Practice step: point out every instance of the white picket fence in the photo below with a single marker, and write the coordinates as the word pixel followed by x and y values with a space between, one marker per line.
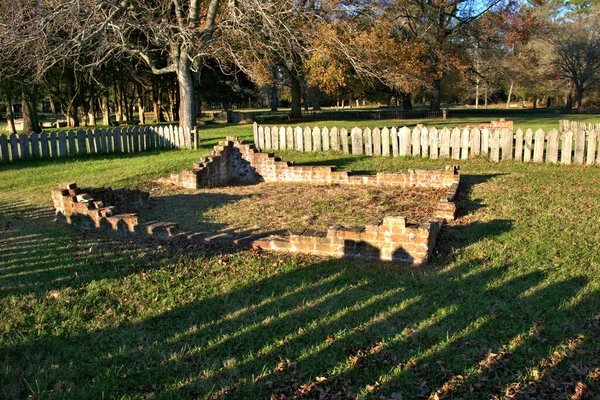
pixel 91 141
pixel 578 147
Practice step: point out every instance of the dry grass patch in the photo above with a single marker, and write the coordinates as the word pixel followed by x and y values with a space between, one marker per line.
pixel 278 206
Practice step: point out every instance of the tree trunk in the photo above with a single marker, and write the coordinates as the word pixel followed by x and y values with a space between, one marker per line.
pixel 296 97
pixel 156 102
pixel 578 97
pixel 9 112
pixel 477 94
pixel 141 109
pixel 437 92
pixel 117 103
pixel 512 85
pixel 486 96
pixel 187 109
pixel 30 118
pixel 274 98
pixel 91 120
pixel 569 101
pixel 305 95
pixel 407 102
pixel 316 103
pixel 106 109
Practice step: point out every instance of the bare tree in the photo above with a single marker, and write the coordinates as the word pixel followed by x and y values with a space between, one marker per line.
pixel 578 54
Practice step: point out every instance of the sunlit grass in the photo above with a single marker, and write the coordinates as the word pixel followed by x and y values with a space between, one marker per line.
pixel 509 303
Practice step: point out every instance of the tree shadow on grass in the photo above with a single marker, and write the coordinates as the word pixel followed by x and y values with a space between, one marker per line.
pixel 250 325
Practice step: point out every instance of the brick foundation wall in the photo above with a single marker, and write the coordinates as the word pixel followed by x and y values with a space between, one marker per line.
pixel 100 207
pixel 502 123
pixel 233 160
pixel 388 240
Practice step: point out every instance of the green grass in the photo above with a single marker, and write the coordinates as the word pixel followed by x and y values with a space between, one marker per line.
pixel 509 304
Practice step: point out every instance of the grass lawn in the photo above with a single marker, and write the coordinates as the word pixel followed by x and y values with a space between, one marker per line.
pixel 509 305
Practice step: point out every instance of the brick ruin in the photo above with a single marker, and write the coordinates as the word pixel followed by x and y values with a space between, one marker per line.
pixel 234 161
pixel 502 123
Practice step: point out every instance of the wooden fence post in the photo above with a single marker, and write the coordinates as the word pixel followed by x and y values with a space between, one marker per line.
pixel 455 137
pixel 335 139
pixel 344 140
pixel 552 150
pixel 579 147
pixel 566 148
pixel 445 143
pixel 591 147
pixel 377 142
pixel 475 142
pixel 388 135
pixel 4 148
pixel 325 139
pixel 275 138
pixel 519 145
pixel 35 146
pixel 72 138
pixel 433 143
pixel 261 138
pixel 424 142
pixel 465 140
pixel 24 145
pixel 507 144
pixel 316 138
pixel 357 145
pixel 307 139
pixel 62 144
pixel 404 146
pixel 538 148
pixel 528 145
pixel 367 140
pixel 289 138
pixel 416 142
pixel 45 145
pixel 282 141
pixel 299 138
pixel 485 141
pixel 495 145
pixel 54 144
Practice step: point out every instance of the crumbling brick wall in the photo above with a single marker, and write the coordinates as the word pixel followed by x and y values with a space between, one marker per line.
pixel 234 160
pixel 388 240
pixel 102 207
pixel 502 123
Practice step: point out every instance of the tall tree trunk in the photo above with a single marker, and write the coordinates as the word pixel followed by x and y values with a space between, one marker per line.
pixel 296 96
pixel 477 93
pixel 9 112
pixel 187 109
pixel 141 109
pixel 578 96
pixel 91 120
pixel 106 109
pixel 569 101
pixel 512 85
pixel 116 102
pixel 305 95
pixel 486 96
pixel 156 102
pixel 437 92
pixel 407 102
pixel 30 117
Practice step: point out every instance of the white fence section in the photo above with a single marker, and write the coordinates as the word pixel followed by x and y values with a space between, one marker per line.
pixel 579 146
pixel 91 141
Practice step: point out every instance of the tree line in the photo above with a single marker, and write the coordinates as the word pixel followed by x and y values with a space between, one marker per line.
pixel 97 58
